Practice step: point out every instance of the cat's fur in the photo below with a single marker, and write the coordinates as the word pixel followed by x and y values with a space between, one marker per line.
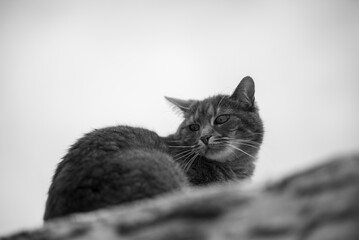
pixel 121 164
pixel 111 166
pixel 217 151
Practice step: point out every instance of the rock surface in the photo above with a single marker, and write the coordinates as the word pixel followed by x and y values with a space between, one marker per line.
pixel 321 203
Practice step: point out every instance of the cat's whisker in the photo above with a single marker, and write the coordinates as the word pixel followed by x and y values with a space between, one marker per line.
pixel 184 156
pixel 231 138
pixel 248 140
pixel 243 144
pixel 234 153
pixel 182 146
pixel 185 160
pixel 225 143
pixel 249 145
pixel 183 152
pixel 242 141
pixel 241 151
pixel 187 155
pixel 190 162
pixel 219 143
pixel 219 139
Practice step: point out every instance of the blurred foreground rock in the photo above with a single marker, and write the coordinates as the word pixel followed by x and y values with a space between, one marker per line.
pixel 320 203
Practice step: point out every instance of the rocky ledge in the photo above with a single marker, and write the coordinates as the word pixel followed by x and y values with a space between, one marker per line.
pixel 319 203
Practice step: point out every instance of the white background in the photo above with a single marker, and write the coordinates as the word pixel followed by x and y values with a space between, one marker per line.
pixel 67 67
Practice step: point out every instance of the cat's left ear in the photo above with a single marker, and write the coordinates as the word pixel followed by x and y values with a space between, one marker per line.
pixel 244 93
pixel 183 105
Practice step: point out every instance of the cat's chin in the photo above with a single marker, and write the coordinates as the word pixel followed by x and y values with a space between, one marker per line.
pixel 223 155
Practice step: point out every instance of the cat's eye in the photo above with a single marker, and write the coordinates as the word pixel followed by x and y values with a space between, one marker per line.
pixel 194 127
pixel 221 119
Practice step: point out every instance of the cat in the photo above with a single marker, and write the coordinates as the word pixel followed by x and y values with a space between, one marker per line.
pixel 217 141
pixel 219 137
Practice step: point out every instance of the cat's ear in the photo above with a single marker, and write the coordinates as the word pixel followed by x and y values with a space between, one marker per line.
pixel 244 93
pixel 183 105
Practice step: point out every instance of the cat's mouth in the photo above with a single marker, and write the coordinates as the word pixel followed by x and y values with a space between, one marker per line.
pixel 215 153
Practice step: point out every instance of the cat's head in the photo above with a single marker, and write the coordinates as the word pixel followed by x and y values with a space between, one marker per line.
pixel 223 127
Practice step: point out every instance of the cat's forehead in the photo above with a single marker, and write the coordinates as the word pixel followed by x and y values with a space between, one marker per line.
pixel 208 107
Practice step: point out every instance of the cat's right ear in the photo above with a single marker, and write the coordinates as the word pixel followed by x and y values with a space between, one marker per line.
pixel 183 105
pixel 244 93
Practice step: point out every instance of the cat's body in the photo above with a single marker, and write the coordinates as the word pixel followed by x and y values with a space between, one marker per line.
pixel 111 166
pixel 217 142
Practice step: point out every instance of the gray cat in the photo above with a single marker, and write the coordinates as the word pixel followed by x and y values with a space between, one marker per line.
pixel 217 141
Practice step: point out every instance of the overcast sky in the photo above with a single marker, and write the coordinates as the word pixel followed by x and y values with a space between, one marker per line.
pixel 67 67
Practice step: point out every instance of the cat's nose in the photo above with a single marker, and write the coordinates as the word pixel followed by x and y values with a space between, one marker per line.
pixel 205 139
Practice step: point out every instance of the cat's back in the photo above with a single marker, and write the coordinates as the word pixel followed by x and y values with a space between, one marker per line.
pixel 105 141
pixel 111 166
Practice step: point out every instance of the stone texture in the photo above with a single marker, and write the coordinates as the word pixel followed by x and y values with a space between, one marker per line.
pixel 321 203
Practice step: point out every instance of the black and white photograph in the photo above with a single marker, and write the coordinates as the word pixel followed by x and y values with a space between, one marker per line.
pixel 141 119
